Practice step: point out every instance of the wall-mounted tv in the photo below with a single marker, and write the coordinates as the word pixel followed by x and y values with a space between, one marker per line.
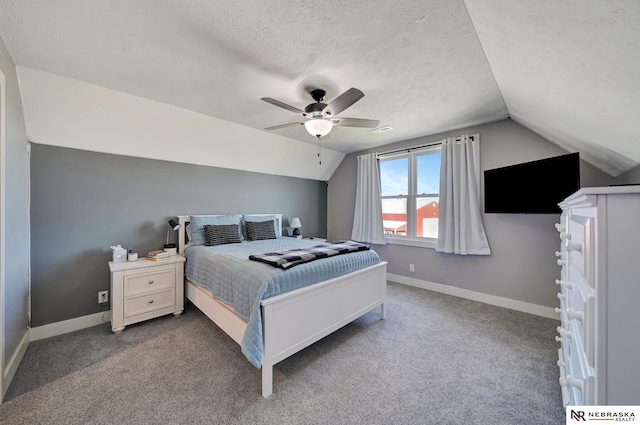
pixel 532 187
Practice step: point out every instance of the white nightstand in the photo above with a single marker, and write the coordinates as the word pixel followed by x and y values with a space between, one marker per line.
pixel 312 238
pixel 143 289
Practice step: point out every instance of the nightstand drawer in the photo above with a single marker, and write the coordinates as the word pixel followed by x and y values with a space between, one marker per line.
pixel 150 302
pixel 146 282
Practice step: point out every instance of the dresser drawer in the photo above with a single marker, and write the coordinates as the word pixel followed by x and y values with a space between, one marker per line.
pixel 564 300
pixel 580 312
pixel 140 283
pixel 579 380
pixel 577 304
pixel 562 365
pixel 570 384
pixel 149 302
pixel 579 244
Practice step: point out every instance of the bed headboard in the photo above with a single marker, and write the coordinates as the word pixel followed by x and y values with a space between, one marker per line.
pixel 184 221
pixel 185 230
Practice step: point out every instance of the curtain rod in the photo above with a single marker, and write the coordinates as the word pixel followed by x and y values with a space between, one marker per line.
pixel 412 148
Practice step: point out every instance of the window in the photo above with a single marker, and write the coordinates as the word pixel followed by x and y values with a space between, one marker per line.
pixel 410 185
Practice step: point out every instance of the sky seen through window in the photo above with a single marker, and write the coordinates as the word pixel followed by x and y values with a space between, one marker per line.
pixel 394 175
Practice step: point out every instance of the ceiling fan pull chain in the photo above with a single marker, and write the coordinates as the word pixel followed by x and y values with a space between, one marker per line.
pixel 319 151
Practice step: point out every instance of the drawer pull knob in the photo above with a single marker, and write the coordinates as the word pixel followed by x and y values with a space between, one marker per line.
pixel 572 314
pixel 558 339
pixel 560 227
pixel 560 262
pixel 572 382
pixel 574 246
pixel 563 332
pixel 565 236
pixel 150 301
pixel 561 296
pixel 558 310
pixel 151 282
pixel 563 284
pixel 558 253
pixel 560 363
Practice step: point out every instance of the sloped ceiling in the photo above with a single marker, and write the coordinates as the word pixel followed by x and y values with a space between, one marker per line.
pixel 567 70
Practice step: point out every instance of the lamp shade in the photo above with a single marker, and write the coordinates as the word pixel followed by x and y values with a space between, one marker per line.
pixel 295 223
pixel 318 127
pixel 173 224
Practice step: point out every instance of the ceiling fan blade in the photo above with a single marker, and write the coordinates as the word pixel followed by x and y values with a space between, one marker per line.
pixel 284 105
pixel 291 124
pixel 355 122
pixel 342 102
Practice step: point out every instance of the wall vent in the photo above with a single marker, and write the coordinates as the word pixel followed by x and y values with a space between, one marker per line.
pixel 381 129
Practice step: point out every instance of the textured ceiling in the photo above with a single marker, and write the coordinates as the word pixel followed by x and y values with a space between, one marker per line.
pixel 567 70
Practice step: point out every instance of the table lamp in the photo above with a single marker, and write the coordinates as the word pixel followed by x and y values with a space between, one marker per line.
pixel 296 225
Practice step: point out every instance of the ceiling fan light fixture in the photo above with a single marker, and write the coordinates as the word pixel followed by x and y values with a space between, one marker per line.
pixel 318 127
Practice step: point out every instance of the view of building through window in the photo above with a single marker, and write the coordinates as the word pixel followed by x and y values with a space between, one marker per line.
pixel 410 184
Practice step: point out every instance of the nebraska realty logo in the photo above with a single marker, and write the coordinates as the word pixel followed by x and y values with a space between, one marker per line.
pixel 601 414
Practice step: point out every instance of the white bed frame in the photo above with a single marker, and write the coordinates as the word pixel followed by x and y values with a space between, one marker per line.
pixel 296 319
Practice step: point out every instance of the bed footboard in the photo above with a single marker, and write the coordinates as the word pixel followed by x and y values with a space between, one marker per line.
pixel 297 319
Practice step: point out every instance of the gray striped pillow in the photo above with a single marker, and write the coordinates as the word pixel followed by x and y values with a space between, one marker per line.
pixel 220 234
pixel 259 230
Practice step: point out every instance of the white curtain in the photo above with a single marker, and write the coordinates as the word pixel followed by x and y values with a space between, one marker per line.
pixel 367 217
pixel 460 229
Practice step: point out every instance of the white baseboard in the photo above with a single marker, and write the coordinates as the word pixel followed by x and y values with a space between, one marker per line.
pixel 66 326
pixel 12 366
pixel 46 331
pixel 538 310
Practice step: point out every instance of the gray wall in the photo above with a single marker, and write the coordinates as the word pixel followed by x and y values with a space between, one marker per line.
pixel 522 265
pixel 83 202
pixel 16 178
pixel 630 177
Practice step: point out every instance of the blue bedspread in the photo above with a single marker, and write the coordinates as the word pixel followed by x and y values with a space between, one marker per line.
pixel 227 272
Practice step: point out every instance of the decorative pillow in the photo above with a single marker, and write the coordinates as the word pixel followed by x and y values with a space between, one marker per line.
pixel 259 230
pixel 198 222
pixel 221 234
pixel 260 218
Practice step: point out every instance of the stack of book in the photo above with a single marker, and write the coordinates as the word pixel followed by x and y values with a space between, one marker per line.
pixel 158 255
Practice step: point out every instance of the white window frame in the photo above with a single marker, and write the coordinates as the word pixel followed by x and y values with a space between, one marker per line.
pixel 411 238
pixel 412 152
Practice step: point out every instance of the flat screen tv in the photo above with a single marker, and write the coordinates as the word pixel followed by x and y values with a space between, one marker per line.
pixel 532 187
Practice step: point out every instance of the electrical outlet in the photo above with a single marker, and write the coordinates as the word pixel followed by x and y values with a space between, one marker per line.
pixel 412 268
pixel 103 297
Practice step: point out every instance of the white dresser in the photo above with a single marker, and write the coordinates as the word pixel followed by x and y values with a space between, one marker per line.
pixel 599 294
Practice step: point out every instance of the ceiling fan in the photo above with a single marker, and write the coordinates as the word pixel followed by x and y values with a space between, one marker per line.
pixel 322 117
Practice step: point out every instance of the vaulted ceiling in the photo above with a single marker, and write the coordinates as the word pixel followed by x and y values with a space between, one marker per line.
pixel 568 70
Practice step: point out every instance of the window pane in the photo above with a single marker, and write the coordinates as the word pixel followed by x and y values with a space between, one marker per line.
pixel 394 216
pixel 428 173
pixel 394 177
pixel 427 210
